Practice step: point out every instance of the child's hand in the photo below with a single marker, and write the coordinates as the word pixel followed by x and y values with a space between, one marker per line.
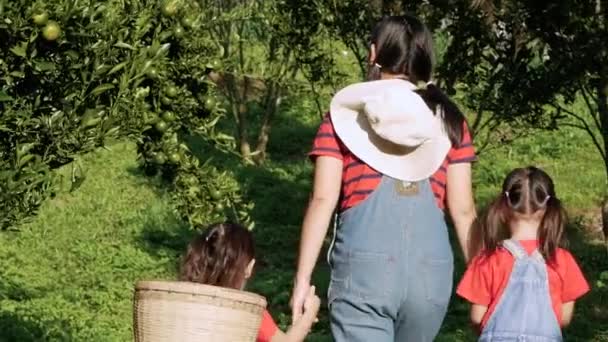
pixel 312 302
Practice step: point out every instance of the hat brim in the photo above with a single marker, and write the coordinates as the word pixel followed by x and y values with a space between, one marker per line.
pixel 397 161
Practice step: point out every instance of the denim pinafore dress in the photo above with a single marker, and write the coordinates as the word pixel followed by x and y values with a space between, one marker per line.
pixel 524 312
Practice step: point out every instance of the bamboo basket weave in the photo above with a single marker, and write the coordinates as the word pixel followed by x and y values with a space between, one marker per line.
pixel 180 311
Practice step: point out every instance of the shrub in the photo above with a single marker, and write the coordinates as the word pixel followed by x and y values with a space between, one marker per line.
pixel 78 74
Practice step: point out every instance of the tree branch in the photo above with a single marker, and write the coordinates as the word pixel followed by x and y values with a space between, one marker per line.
pixel 587 129
pixel 352 45
pixel 486 140
pixel 586 95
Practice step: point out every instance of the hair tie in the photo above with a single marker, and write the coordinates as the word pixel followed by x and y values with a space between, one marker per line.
pixel 507 195
pixel 377 65
pixel 547 198
pixel 211 234
pixel 426 85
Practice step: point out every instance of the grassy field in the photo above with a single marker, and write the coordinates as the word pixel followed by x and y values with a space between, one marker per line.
pixel 68 275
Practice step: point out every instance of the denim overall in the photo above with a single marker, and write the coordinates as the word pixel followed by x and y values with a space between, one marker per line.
pixel 524 311
pixel 391 266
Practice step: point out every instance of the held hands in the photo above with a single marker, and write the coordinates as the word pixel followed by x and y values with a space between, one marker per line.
pixel 312 303
pixel 304 301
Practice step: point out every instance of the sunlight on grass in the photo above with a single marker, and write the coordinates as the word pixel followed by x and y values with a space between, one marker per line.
pixel 71 271
pixel 69 274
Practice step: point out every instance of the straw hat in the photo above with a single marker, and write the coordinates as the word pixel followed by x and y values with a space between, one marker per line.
pixel 390 128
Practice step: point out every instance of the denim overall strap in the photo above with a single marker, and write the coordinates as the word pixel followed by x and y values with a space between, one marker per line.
pixel 391 266
pixel 524 311
pixel 515 248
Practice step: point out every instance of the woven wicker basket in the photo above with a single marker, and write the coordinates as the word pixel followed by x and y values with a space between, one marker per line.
pixel 180 311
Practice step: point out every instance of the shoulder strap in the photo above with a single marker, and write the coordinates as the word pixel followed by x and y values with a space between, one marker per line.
pixel 515 248
pixel 536 255
pixel 518 251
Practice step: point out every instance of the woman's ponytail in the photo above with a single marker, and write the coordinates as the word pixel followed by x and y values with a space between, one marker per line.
pixel 441 104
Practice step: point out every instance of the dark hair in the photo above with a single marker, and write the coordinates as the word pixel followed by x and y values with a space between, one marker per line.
pixel 219 256
pixel 525 191
pixel 404 45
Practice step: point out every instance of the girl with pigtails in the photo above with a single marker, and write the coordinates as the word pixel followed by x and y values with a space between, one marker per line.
pixel 523 284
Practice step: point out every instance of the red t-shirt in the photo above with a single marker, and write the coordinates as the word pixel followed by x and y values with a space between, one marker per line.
pixel 486 278
pixel 268 328
pixel 359 180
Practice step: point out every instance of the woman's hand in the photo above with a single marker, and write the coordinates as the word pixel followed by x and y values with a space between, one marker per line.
pixel 299 296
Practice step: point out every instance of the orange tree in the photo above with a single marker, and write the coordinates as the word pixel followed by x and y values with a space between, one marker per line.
pixel 74 74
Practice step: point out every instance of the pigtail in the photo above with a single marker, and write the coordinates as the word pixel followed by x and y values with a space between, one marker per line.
pixel 492 227
pixel 552 227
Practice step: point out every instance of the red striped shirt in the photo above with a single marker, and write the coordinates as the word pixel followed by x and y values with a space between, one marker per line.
pixel 359 179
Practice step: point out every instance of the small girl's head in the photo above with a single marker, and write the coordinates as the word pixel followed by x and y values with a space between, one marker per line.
pixel 223 255
pixel 527 197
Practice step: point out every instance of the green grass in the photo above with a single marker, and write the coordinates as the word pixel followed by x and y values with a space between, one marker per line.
pixel 68 275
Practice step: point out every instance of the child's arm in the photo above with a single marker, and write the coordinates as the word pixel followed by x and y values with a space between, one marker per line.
pixel 477 313
pixel 567 312
pixel 298 331
pixel 300 328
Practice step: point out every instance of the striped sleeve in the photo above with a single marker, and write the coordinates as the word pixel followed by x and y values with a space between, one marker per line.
pixel 326 142
pixel 465 153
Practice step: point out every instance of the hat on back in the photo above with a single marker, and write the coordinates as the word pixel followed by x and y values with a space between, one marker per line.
pixel 389 127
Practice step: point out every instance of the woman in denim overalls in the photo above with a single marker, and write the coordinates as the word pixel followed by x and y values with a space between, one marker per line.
pixel 391 259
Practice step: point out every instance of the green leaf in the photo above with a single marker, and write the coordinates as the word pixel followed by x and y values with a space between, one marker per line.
pixel 112 131
pixel 42 65
pixel 102 68
pixel 163 50
pixel 23 149
pixel 19 74
pixel 20 49
pixel 72 54
pixel 102 88
pixel 4 97
pixel 604 275
pixel 124 46
pixel 117 68
pixel 24 160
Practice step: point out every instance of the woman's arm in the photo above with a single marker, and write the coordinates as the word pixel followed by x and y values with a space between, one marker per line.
pixel 460 202
pixel 567 313
pixel 323 201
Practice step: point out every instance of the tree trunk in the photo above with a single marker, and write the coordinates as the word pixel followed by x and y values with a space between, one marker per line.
pixel 270 107
pixel 605 220
pixel 237 95
pixel 603 113
pixel 244 146
pixel 602 105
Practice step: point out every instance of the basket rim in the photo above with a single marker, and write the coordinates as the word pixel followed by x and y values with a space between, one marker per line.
pixel 184 287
